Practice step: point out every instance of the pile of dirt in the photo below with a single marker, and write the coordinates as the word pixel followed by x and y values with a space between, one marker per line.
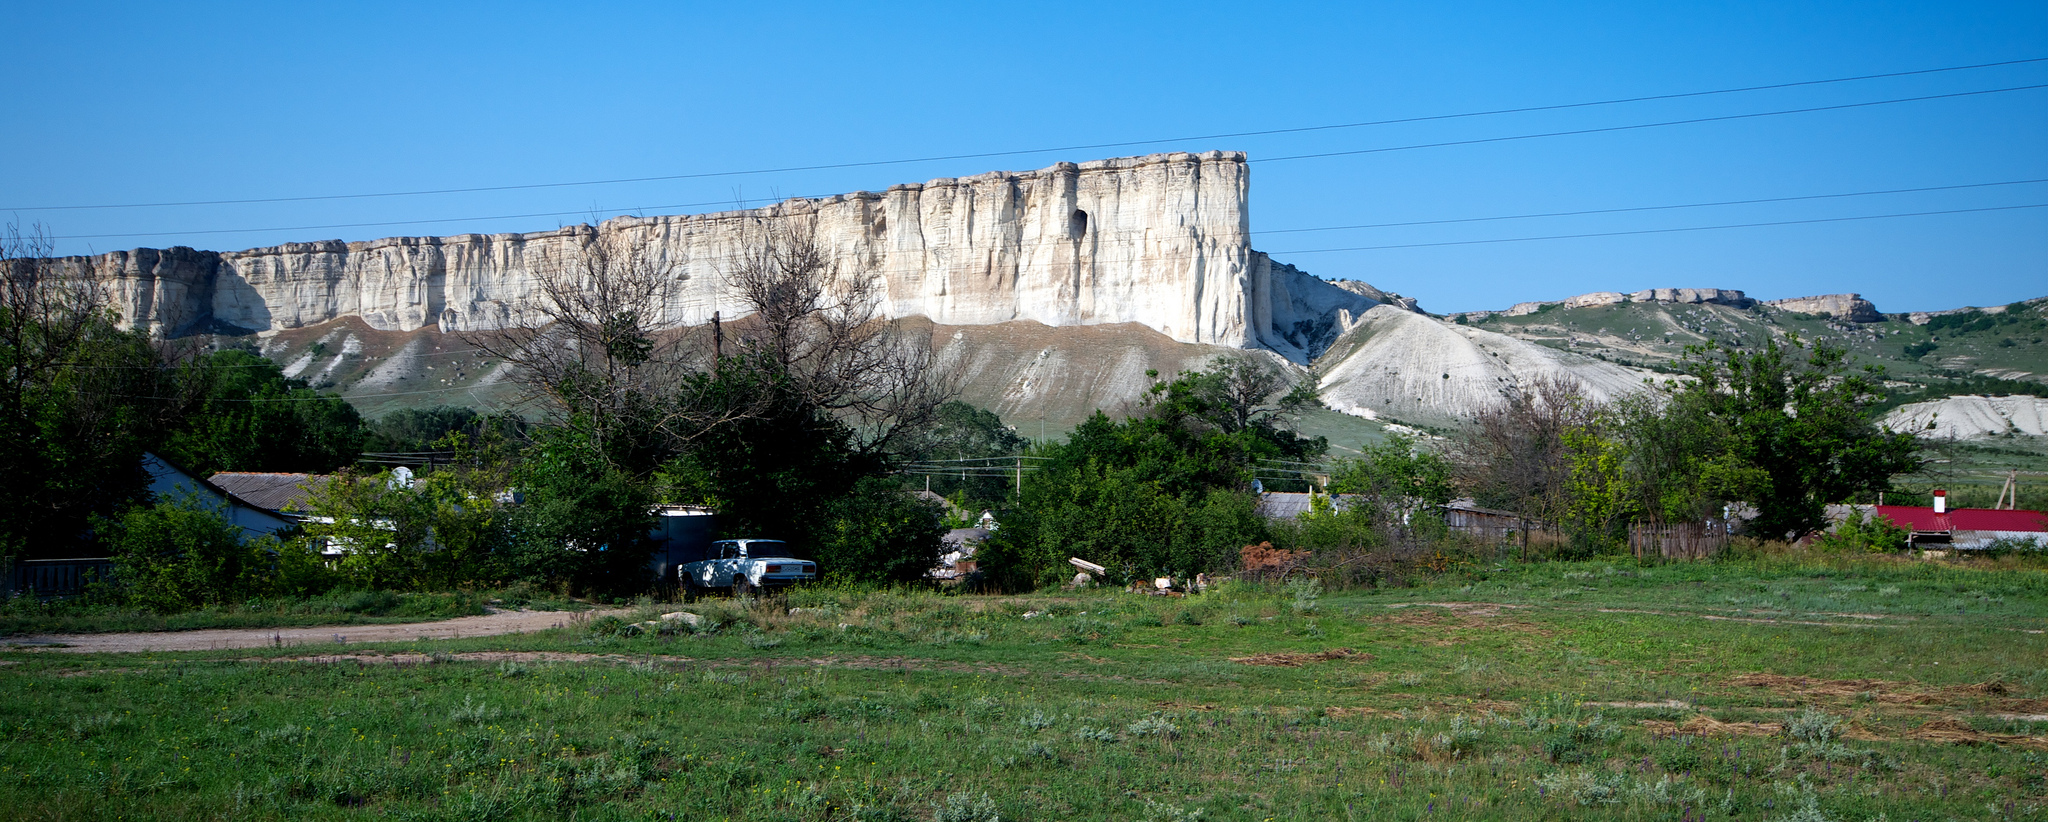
pixel 1296 660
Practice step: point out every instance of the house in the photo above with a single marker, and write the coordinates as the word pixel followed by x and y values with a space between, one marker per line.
pixel 1965 528
pixel 958 561
pixel 170 482
pixel 287 495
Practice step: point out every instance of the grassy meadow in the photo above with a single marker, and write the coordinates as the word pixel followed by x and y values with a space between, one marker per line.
pixel 1772 688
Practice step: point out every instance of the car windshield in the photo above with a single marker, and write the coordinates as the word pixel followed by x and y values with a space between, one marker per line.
pixel 775 548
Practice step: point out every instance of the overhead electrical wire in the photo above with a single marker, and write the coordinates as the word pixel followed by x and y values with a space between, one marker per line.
pixel 1079 147
pixel 1663 230
pixel 1651 208
pixel 1635 126
pixel 1321 155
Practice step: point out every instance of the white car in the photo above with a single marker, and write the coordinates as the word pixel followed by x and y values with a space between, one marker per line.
pixel 746 564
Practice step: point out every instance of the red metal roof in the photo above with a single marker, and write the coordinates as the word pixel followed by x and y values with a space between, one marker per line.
pixel 1919 518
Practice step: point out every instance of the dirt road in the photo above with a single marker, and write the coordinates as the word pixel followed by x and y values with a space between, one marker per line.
pixel 491 624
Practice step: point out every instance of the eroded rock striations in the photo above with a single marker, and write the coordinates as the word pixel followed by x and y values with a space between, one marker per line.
pixel 1162 241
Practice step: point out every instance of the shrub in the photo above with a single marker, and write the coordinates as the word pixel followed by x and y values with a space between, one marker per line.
pixel 1858 534
pixel 184 554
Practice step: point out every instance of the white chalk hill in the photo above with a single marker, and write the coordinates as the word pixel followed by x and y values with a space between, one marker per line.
pixel 1972 417
pixel 1417 368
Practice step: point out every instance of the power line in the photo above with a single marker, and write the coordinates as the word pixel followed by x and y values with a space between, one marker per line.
pixel 1664 230
pixel 1091 146
pixel 1636 126
pixel 1322 155
pixel 1652 208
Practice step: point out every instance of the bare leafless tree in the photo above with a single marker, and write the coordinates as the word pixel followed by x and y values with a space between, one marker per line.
pixel 1515 455
pixel 816 320
pixel 598 343
pixel 49 313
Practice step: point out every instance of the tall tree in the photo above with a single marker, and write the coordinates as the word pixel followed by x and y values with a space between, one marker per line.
pixel 80 398
pixel 1791 432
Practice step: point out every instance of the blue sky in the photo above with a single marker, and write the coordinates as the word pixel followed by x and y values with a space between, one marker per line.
pixel 129 103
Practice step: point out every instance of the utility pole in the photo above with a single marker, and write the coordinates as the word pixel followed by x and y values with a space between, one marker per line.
pixel 1020 476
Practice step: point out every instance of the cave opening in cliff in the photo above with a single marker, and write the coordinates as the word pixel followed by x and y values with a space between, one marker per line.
pixel 1077 225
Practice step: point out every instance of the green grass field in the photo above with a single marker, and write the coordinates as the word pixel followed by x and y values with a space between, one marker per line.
pixel 1762 689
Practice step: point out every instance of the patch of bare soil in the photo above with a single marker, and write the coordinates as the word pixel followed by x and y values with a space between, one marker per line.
pixel 216 639
pixel 1478 609
pixel 1703 725
pixel 1890 693
pixel 1953 731
pixel 1296 660
pixel 1668 703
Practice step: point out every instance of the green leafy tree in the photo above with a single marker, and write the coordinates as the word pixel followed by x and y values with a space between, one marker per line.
pixel 240 413
pixel 1394 476
pixel 1787 429
pixel 379 523
pixel 1167 491
pixel 879 534
pixel 80 399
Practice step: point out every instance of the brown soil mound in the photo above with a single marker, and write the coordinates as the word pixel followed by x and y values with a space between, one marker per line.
pixel 1296 660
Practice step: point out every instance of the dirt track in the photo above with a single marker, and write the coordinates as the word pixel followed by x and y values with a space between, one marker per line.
pixel 492 624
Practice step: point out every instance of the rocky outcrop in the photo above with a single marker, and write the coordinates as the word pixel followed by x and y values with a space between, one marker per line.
pixel 1850 307
pixel 1972 417
pixel 1688 296
pixel 1161 241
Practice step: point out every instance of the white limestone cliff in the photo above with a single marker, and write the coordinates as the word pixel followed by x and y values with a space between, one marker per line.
pixel 1161 240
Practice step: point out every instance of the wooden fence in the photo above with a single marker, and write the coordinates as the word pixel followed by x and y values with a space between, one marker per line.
pixel 56 577
pixel 1688 540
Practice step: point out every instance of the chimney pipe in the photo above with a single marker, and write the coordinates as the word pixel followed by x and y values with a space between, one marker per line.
pixel 1940 501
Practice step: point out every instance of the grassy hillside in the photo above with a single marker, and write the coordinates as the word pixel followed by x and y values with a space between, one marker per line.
pixel 2012 345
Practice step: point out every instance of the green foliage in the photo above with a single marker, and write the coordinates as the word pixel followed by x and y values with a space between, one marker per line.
pixel 1857 533
pixel 425 429
pixel 184 554
pixel 1166 492
pixel 78 405
pixel 584 520
pixel 1977 385
pixel 1785 428
pixel 1969 322
pixel 963 432
pixel 879 534
pixel 771 471
pixel 1394 474
pixel 240 413
pixel 1599 502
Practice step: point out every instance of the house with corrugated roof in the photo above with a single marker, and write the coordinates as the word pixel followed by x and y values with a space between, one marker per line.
pixel 1965 528
pixel 287 495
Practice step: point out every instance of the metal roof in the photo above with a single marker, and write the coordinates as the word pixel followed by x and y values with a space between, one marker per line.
pixel 277 492
pixel 1921 518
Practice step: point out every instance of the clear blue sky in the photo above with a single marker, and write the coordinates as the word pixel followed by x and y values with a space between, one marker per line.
pixel 152 102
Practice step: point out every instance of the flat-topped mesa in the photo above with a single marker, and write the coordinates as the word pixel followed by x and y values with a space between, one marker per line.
pixel 1850 307
pixel 1161 240
pixel 1684 296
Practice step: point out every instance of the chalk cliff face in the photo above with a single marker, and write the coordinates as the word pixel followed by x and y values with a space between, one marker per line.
pixel 1162 241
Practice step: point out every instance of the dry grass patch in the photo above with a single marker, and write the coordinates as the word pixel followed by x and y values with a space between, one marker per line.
pixel 1297 660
